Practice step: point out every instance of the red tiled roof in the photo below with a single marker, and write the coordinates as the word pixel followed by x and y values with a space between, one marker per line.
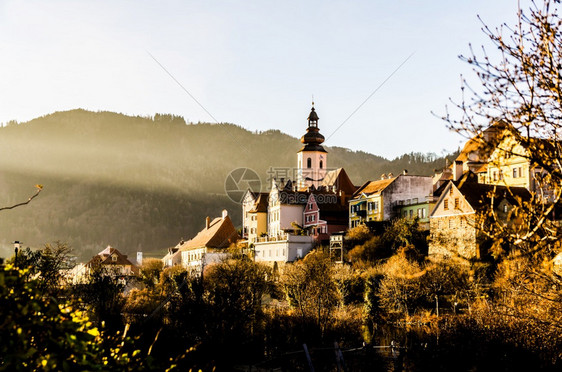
pixel 374 187
pixel 105 257
pixel 220 234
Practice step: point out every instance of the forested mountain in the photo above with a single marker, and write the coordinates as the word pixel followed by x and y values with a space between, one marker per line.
pixel 142 183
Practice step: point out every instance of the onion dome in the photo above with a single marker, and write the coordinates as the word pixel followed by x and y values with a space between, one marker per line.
pixel 312 139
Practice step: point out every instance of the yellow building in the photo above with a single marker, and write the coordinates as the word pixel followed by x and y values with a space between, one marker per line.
pixel 510 165
pixel 381 200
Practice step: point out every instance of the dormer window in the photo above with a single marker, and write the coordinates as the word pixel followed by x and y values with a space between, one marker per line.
pixel 114 258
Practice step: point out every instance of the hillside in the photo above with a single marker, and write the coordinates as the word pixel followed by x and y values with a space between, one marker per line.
pixel 142 183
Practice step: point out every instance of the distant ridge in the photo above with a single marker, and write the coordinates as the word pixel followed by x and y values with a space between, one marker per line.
pixel 142 183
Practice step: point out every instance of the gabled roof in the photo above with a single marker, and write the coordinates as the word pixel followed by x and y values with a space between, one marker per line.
pixel 260 206
pixel 105 257
pixel 374 187
pixel 173 254
pixel 479 195
pixel 220 234
pixel 339 179
pixel 467 177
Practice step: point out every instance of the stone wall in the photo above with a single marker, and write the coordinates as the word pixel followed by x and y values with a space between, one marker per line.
pixel 453 236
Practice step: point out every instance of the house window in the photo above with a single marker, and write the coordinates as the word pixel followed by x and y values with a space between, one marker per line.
pixel 451 191
pixel 411 213
pixel 451 223
pixel 405 214
pixel 321 164
pixel 114 258
pixel 494 175
pixel 515 173
pixel 505 208
pixel 376 206
pixel 456 203
pixel 446 204
pixel 423 213
pixel 310 206
pixel 309 163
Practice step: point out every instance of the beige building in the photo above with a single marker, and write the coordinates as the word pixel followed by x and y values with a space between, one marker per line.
pixel 254 215
pixel 455 221
pixel 381 200
pixel 113 262
pixel 193 254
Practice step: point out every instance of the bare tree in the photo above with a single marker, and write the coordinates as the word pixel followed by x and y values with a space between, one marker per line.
pixel 520 90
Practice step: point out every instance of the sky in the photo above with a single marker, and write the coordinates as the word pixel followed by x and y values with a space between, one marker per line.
pixel 254 63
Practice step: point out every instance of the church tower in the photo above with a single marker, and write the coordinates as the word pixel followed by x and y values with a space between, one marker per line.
pixel 312 158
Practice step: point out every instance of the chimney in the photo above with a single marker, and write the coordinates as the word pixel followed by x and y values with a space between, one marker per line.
pixel 207 222
pixel 224 213
pixel 457 170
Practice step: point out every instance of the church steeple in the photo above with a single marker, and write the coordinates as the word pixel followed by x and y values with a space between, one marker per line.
pixel 312 157
pixel 312 139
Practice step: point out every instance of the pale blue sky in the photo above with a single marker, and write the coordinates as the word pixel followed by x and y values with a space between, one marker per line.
pixel 252 63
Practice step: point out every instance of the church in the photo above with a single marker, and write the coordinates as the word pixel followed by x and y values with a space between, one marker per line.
pixel 285 223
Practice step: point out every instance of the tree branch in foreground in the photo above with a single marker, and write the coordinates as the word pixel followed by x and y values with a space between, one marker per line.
pixel 39 189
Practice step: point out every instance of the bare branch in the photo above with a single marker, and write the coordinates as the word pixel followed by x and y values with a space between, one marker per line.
pixel 39 188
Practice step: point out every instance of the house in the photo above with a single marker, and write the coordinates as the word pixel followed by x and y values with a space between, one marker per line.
pixel 381 200
pixel 213 240
pixel 113 263
pixel 454 222
pixel 420 209
pixel 474 156
pixel 285 209
pixel 254 215
pixel 510 164
pixel 173 257
pixel 324 214
pixel 497 157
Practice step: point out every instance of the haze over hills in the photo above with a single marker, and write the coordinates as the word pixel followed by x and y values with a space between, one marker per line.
pixel 141 183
